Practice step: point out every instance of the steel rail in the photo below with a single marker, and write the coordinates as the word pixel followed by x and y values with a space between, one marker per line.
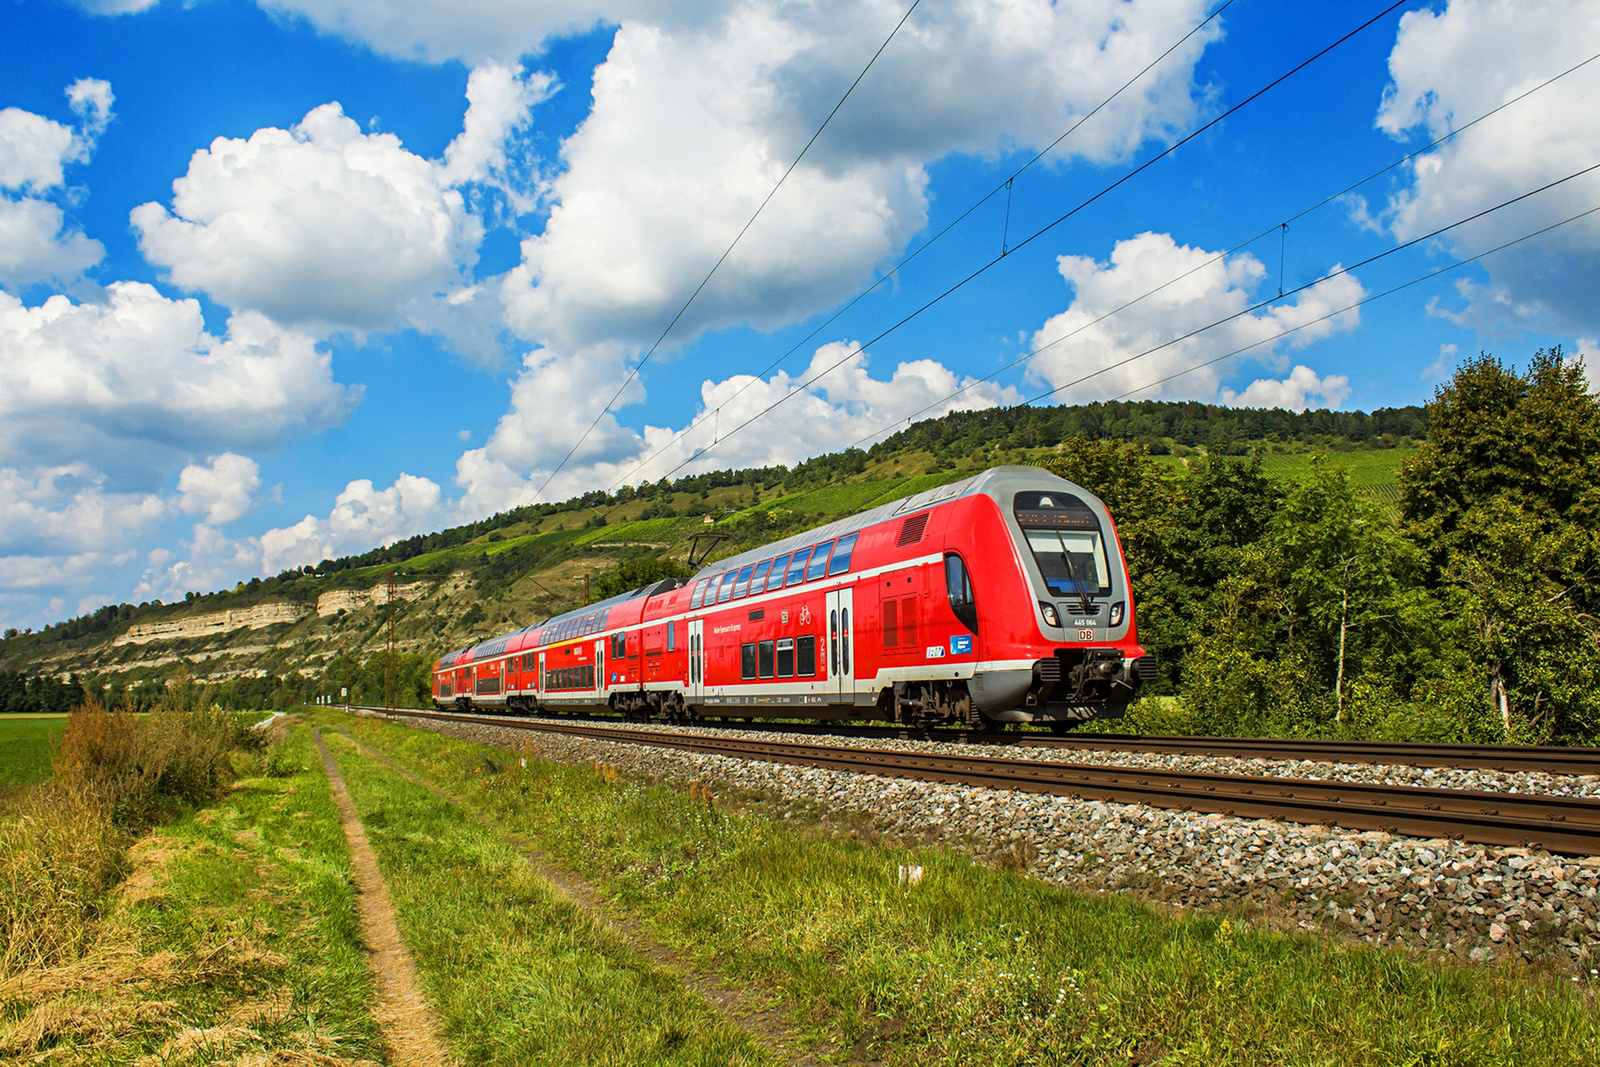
pixel 1555 823
pixel 1547 759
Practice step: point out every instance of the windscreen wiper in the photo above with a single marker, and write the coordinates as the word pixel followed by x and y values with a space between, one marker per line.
pixel 1083 592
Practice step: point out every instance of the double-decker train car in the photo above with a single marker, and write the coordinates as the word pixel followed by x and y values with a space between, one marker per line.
pixel 1003 597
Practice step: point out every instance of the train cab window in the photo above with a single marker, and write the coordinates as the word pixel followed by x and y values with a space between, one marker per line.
pixel 758 580
pixel 742 586
pixel 672 637
pixel 797 567
pixel 725 591
pixel 747 660
pixel 1064 535
pixel 819 562
pixel 764 659
pixel 786 658
pixel 842 549
pixel 805 648
pixel 775 579
pixel 958 584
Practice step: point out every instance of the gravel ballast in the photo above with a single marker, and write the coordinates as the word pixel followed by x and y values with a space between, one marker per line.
pixel 1476 901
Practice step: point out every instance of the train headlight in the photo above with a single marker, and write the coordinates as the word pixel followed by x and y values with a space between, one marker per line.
pixel 1116 613
pixel 1050 615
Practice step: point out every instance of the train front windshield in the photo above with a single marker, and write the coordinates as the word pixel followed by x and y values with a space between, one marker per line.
pixel 1065 539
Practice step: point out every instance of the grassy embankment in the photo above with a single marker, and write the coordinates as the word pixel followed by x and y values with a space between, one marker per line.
pixel 975 965
pixel 517 974
pixel 234 933
pixel 176 889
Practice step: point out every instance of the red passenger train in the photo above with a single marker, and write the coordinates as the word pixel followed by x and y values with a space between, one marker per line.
pixel 1000 598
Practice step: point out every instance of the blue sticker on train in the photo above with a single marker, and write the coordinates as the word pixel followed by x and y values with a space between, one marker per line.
pixel 961 643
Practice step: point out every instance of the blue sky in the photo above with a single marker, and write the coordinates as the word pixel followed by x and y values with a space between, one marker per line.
pixel 290 279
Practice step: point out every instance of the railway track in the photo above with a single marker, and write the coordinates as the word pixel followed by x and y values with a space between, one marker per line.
pixel 1549 759
pixel 1558 824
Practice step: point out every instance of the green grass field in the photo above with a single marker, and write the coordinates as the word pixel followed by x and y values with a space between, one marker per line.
pixel 976 965
pixel 25 747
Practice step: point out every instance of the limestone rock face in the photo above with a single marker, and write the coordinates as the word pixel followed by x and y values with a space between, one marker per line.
pixel 336 600
pixel 216 622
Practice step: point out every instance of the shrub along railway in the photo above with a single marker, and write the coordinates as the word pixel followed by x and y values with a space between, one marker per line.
pixel 1558 824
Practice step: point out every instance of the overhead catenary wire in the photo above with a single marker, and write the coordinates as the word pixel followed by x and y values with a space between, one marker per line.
pixel 1041 231
pixel 637 367
pixel 894 271
pixel 1325 201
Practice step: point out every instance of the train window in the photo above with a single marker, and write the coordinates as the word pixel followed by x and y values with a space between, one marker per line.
pixel 619 645
pixel 797 567
pixel 764 659
pixel 775 580
pixel 672 637
pixel 805 649
pixel 758 580
pixel 833 641
pixel 747 660
pixel 742 586
pixel 725 592
pixel 958 584
pixel 841 554
pixel 844 637
pixel 819 562
pixel 699 591
pixel 786 658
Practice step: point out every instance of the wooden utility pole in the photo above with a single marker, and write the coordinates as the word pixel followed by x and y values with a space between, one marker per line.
pixel 389 666
pixel 586 590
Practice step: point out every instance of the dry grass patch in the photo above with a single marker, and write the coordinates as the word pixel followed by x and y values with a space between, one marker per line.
pixel 233 940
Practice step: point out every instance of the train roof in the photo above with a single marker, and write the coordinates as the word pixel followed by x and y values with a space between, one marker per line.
pixel 495 645
pixel 993 482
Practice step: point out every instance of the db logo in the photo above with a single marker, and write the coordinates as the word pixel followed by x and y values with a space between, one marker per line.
pixel 1086 633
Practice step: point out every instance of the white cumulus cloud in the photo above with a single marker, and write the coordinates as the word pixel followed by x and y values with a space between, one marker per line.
pixel 324 227
pixel 1092 360
pixel 1451 65
pixel 692 126
pixel 67 510
pixel 136 377
pixel 363 516
pixel 470 30
pixel 222 489
pixel 833 411
pixel 115 7
pixel 1300 390
pixel 37 244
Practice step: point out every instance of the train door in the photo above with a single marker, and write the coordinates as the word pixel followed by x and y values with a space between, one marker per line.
pixel 841 645
pixel 697 659
pixel 538 681
pixel 600 666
